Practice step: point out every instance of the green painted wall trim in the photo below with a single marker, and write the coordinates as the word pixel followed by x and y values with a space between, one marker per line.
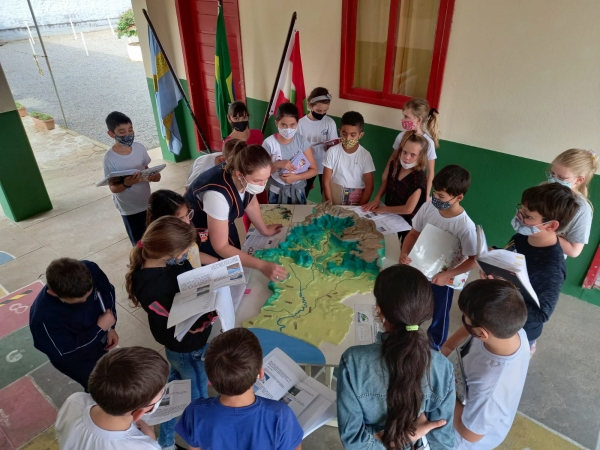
pixel 22 190
pixel 186 127
pixel 498 180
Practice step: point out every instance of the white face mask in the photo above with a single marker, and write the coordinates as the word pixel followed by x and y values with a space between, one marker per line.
pixel 253 188
pixel 287 133
pixel 408 166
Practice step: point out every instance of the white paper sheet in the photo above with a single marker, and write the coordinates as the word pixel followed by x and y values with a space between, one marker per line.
pixel 386 223
pixel 125 173
pixel 190 303
pixel 178 395
pixel 256 241
pixel 227 272
pixel 367 324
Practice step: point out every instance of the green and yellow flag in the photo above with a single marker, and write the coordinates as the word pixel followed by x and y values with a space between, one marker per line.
pixel 224 91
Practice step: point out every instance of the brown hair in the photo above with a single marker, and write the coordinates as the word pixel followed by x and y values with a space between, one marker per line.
pixel 247 158
pixel 420 108
pixel 582 163
pixel 552 201
pixel 453 179
pixel 404 297
pixel 163 202
pixel 69 278
pixel 496 305
pixel 233 361
pixel 166 236
pixel 228 147
pixel 411 136
pixel 318 92
pixel 127 379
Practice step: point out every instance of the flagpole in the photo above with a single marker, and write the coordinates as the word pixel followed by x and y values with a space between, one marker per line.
pixel 181 91
pixel 285 47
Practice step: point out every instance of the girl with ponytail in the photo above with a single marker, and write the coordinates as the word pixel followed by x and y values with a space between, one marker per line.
pixel 151 282
pixel 223 194
pixel 393 392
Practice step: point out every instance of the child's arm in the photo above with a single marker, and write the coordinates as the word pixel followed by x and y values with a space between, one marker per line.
pixel 129 181
pixel 572 249
pixel 407 244
pixel 407 208
pixel 455 340
pixel 311 172
pixel 206 259
pixel 327 173
pixel 375 202
pixel 430 175
pixel 466 434
pixel 369 185
pixel 442 278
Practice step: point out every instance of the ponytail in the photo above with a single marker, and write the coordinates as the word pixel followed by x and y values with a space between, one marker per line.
pixel 166 237
pixel 405 299
pixel 583 163
pixel 247 158
pixel 420 108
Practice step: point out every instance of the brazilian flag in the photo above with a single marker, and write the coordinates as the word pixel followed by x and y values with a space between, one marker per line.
pixel 224 92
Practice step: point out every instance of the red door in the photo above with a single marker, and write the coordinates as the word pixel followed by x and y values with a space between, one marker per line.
pixel 197 27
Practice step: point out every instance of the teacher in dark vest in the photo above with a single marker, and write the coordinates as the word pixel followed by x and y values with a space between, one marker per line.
pixel 222 194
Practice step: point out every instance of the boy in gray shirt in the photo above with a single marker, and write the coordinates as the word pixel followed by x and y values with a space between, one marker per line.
pixel 495 359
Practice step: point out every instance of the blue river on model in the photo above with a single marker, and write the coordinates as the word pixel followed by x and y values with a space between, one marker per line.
pixel 300 351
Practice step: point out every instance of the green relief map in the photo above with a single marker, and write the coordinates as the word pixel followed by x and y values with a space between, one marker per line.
pixel 330 256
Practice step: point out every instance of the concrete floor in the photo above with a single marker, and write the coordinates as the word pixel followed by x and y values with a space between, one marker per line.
pixel 561 392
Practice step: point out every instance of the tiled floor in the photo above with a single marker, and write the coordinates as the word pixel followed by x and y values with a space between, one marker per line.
pixel 562 386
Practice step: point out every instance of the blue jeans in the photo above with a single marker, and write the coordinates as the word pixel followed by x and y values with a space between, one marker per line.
pixel 442 302
pixel 184 366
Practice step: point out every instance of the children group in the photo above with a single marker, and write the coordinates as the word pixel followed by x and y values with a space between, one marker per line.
pixel 399 392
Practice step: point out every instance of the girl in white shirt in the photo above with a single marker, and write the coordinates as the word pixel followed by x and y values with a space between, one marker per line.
pixel 318 128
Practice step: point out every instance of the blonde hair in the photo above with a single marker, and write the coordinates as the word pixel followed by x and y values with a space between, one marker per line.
pixel 411 136
pixel 582 163
pixel 166 236
pixel 420 108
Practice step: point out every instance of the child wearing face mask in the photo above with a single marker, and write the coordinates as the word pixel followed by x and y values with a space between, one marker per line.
pixel 403 181
pixel 131 193
pixel 238 117
pixel 444 212
pixel 575 169
pixel 539 215
pixel 286 186
pixel 420 117
pixel 151 282
pixel 318 128
pixel 348 166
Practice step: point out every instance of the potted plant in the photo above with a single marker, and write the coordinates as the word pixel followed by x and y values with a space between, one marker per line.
pixel 126 27
pixel 43 121
pixel 22 110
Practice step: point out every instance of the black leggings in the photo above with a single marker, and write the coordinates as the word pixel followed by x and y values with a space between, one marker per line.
pixel 311 182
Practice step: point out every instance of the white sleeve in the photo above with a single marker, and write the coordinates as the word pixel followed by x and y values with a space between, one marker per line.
pixel 332 131
pixel 330 158
pixel 468 239
pixel 106 166
pixel 396 145
pixel 146 158
pixel 431 150
pixel 215 205
pixel 418 221
pixel 368 165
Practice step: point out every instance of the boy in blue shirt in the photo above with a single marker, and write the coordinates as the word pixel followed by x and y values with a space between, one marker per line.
pixel 132 193
pixel 444 212
pixel 237 418
pixel 73 318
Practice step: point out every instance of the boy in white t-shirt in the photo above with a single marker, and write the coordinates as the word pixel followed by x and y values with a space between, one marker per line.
pixel 495 359
pixel 348 166
pixel 130 194
pixel 444 212
pixel 125 384
pixel 317 127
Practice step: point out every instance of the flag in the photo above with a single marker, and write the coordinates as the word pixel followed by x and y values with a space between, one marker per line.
pixel 167 96
pixel 224 92
pixel 290 86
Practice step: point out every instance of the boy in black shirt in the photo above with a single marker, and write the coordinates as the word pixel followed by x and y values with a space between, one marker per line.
pixel 541 212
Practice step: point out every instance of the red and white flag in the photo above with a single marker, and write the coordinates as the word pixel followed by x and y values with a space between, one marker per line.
pixel 290 86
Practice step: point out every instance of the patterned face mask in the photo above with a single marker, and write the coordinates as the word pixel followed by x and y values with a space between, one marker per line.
pixel 287 133
pixel 126 140
pixel 177 261
pixel 436 202
pixel 349 143
pixel 408 125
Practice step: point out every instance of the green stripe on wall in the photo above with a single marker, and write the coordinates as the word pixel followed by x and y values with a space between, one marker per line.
pixel 22 190
pixel 498 180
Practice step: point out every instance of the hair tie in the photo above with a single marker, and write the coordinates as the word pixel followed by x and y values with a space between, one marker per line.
pixel 594 154
pixel 139 244
pixel 432 111
pixel 412 327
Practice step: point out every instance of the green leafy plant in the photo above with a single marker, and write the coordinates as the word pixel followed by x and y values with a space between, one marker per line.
pixel 41 116
pixel 18 105
pixel 126 25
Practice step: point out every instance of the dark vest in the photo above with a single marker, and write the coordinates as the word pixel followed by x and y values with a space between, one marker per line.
pixel 216 179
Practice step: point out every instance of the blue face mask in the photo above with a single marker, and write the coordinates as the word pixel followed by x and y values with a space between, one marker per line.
pixel 553 179
pixel 126 140
pixel 521 228
pixel 436 202
pixel 177 261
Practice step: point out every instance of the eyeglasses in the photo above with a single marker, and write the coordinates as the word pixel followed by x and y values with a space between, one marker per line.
pixel 521 216
pixel 189 215
pixel 468 327
pixel 549 174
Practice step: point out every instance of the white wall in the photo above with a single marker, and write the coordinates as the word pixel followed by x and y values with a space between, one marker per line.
pixel 522 77
pixel 53 15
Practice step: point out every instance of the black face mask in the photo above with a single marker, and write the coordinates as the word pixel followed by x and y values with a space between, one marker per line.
pixel 240 126
pixel 317 115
